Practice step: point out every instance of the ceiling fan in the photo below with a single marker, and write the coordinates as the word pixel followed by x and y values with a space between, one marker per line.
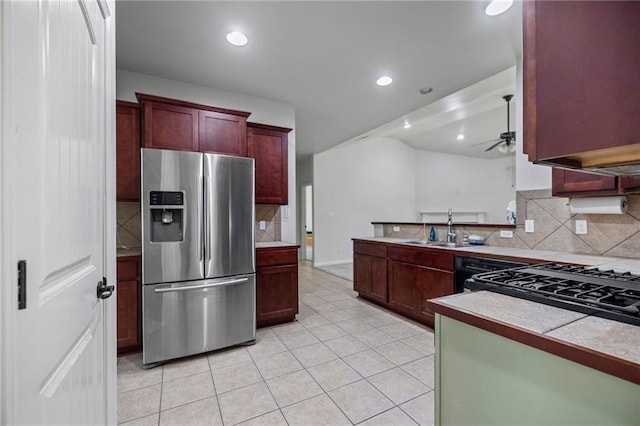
pixel 508 137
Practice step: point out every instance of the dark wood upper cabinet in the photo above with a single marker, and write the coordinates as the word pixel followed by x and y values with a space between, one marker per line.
pixel 581 91
pixel 569 182
pixel 268 145
pixel 223 133
pixel 174 124
pixel 170 127
pixel 127 151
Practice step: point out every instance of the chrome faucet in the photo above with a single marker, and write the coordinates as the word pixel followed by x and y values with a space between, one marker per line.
pixel 451 236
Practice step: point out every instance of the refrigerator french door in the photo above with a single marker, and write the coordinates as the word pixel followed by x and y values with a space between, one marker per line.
pixel 198 257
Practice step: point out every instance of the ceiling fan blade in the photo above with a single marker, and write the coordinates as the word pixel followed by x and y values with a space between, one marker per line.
pixel 482 143
pixel 494 145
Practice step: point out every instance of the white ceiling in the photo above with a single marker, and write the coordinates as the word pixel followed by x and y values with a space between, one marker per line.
pixel 324 57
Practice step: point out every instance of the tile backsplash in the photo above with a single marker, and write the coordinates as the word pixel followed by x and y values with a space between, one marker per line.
pixel 608 234
pixel 270 214
pixel 130 233
pixel 128 219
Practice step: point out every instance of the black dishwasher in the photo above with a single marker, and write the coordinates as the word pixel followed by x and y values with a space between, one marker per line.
pixel 467 266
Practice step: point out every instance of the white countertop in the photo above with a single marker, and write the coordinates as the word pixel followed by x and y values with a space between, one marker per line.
pixel 605 262
pixel 267 244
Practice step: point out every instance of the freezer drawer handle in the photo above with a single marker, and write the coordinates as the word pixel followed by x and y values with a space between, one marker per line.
pixel 200 286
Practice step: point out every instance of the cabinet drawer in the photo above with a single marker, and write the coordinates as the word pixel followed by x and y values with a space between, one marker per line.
pixel 423 257
pixel 127 268
pixel 276 256
pixel 370 249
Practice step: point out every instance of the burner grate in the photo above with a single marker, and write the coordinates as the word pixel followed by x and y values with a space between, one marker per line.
pixel 606 293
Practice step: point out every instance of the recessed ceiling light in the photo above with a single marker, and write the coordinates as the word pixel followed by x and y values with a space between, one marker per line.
pixel 496 7
pixel 385 80
pixel 460 137
pixel 237 38
pixel 407 125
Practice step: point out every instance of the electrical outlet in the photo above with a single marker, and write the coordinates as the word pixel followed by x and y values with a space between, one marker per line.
pixel 506 234
pixel 581 227
pixel 528 225
pixel 332 214
pixel 396 229
pixel 262 225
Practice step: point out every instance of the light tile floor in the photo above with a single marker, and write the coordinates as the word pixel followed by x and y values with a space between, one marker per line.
pixel 343 362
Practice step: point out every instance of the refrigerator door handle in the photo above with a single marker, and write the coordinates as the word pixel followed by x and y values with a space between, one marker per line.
pixel 200 286
pixel 206 247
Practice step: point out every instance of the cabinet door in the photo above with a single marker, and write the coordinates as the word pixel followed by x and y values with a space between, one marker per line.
pixel 127 151
pixel 629 185
pixel 433 283
pixel 170 127
pixel 361 274
pixel 370 277
pixel 269 148
pixel 581 68
pixel 404 292
pixel 127 307
pixel 128 303
pixel 569 182
pixel 222 133
pixel 276 294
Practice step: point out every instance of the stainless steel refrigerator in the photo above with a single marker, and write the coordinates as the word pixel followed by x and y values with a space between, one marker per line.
pixel 198 257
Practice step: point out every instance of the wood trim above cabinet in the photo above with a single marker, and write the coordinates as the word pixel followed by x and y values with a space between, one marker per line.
pixel 143 97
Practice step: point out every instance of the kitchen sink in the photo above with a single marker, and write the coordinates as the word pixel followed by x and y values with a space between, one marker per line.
pixel 436 243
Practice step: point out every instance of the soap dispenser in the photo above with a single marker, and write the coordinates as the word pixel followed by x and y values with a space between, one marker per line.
pixel 432 234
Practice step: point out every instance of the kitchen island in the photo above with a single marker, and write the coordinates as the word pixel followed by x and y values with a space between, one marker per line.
pixel 503 360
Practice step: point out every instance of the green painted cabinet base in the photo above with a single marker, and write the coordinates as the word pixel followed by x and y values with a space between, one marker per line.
pixel 486 379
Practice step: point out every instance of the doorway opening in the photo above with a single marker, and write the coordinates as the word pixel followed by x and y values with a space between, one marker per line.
pixel 307 219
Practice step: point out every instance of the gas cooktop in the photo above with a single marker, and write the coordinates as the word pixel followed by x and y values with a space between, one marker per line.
pixel 592 291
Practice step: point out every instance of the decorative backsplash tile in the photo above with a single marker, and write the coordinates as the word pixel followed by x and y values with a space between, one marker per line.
pixel 128 225
pixel 130 234
pixel 609 235
pixel 270 214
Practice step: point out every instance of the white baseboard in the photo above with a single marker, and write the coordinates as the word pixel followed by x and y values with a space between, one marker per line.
pixel 332 263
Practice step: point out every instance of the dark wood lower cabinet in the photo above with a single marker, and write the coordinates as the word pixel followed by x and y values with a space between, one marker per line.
pixel 370 277
pixel 276 285
pixel 129 304
pixel 402 279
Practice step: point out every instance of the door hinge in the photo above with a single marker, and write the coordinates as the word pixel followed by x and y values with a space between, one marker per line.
pixel 22 284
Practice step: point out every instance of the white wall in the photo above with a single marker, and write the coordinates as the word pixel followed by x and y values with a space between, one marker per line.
pixel 354 185
pixel 528 175
pixel 262 111
pixel 464 184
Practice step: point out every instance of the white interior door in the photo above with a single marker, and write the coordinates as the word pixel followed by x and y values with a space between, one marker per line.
pixel 58 353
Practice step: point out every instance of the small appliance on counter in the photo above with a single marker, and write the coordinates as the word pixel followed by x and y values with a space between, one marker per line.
pixel 198 257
